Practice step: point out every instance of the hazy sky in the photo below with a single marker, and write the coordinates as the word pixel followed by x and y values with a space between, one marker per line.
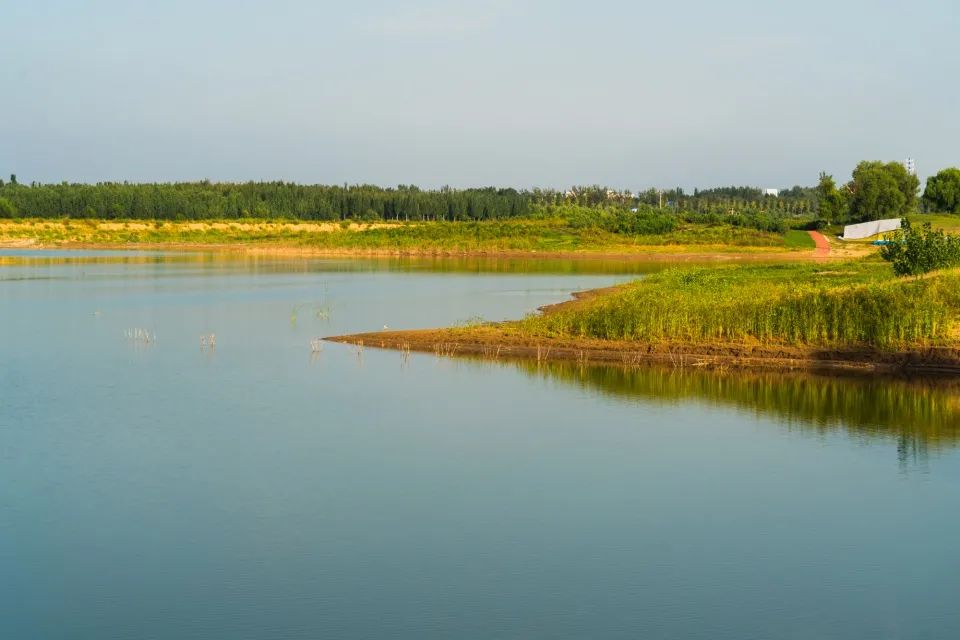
pixel 525 93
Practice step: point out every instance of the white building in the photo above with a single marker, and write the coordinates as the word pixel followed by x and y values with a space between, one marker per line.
pixel 772 192
pixel 866 230
pixel 911 166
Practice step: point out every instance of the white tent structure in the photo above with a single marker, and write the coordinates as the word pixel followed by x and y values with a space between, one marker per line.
pixel 869 229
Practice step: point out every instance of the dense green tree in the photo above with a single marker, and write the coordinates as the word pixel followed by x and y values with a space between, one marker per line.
pixel 7 210
pixel 943 191
pixel 882 190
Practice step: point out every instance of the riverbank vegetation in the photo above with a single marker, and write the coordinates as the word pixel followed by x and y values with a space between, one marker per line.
pixel 855 304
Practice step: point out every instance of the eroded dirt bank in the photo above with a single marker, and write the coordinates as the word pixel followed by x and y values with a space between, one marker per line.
pixel 494 342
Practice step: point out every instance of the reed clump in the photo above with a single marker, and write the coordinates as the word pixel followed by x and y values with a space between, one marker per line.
pixel 851 304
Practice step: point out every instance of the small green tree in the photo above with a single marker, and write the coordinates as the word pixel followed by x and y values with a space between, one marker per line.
pixel 914 252
pixel 7 210
pixel 943 191
pixel 831 201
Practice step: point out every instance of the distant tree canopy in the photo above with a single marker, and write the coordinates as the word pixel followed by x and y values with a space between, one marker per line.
pixel 720 193
pixel 210 200
pixel 877 190
pixel 882 190
pixel 943 191
pixel 206 200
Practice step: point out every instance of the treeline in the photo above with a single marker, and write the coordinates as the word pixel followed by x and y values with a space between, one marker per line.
pixel 208 200
pixel 876 190
pixel 879 190
pixel 795 201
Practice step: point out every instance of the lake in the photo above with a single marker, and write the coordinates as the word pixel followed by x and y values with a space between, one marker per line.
pixel 153 486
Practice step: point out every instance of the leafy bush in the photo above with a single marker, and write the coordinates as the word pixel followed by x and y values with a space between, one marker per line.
pixel 644 221
pixel 7 210
pixel 915 251
pixel 761 221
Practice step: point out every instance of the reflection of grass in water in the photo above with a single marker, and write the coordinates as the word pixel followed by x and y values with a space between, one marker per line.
pixel 924 412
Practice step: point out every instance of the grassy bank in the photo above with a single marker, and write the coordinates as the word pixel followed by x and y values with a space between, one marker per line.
pixel 854 304
pixel 852 315
pixel 545 235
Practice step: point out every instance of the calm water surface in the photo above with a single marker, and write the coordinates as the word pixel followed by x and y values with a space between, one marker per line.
pixel 161 490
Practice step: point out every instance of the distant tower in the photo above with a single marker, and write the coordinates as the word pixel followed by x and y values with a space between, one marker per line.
pixel 911 166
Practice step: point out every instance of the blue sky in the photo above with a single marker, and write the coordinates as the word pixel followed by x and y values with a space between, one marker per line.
pixel 523 93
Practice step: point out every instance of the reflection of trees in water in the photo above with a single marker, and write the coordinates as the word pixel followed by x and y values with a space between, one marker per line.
pixel 919 414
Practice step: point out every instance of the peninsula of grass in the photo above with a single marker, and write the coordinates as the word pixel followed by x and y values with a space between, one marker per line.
pixel 853 314
pixel 550 236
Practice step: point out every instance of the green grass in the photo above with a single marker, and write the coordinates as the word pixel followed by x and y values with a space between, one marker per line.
pixel 543 235
pixel 948 222
pixel 850 304
pixel 796 239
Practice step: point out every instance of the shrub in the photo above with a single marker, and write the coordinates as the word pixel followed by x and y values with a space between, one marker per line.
pixel 644 221
pixel 7 210
pixel 916 251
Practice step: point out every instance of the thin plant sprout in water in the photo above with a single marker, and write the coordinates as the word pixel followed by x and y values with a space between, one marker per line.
pixel 321 310
pixel 140 336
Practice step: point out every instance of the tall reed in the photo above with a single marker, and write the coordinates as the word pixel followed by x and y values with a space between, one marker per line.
pixel 853 304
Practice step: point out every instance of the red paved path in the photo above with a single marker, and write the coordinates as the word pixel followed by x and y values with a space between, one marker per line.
pixel 823 245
